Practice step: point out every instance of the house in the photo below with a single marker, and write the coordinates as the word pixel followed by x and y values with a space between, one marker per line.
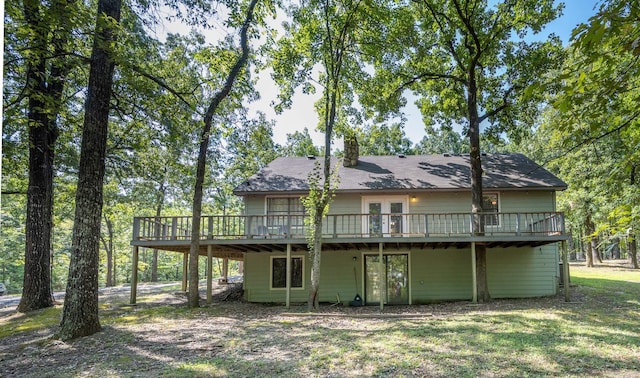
pixel 399 230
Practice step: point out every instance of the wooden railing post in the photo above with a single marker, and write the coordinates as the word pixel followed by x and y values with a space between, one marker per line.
pixel 174 228
pixel 136 228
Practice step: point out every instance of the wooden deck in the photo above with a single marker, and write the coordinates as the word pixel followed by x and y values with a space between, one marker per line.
pixel 231 236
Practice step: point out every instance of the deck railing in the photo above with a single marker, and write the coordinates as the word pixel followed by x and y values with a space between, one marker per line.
pixel 542 224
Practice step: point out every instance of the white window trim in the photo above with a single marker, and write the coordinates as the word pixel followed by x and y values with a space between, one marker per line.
pixel 302 257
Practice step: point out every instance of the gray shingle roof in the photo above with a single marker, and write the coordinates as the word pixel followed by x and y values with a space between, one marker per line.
pixel 410 173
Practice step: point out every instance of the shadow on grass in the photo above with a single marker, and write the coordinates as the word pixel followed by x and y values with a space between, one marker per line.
pixel 599 336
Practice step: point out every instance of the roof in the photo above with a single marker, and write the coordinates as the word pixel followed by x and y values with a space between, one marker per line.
pixel 405 173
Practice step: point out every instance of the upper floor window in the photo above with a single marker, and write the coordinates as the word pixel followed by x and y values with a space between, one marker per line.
pixel 284 205
pixel 490 204
pixel 285 215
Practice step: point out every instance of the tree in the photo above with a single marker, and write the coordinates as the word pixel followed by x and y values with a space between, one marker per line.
pixel 299 144
pixel 597 112
pixel 442 140
pixel 80 312
pixel 322 33
pixel 470 65
pixel 194 296
pixel 380 139
pixel 48 29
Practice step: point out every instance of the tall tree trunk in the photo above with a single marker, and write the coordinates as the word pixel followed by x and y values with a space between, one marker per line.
pixel 596 250
pixel 615 250
pixel 476 186
pixel 194 291
pixel 108 247
pixel 313 301
pixel 633 251
pixel 45 80
pixel 589 228
pixel 80 312
pixel 160 203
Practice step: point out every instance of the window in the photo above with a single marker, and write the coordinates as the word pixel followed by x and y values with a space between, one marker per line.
pixel 490 205
pixel 279 272
pixel 285 215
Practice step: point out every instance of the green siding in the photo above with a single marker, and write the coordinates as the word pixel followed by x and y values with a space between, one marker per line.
pixel 337 277
pixel 441 274
pixel 448 202
pixel 257 270
pixel 346 204
pixel 254 205
pixel 529 202
pixel 432 202
pixel 523 272
pixel 435 275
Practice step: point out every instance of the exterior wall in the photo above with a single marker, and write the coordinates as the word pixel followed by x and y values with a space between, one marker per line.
pixel 441 275
pixel 523 272
pixel 527 201
pixel 434 275
pixel 257 285
pixel 254 205
pixel 432 202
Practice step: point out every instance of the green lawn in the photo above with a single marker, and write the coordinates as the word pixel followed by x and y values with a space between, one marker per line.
pixel 597 334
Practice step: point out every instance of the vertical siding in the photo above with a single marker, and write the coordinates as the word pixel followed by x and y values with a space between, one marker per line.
pixel 523 272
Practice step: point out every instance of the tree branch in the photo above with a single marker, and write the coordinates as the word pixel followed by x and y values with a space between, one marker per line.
pixel 592 139
pixel 427 76
pixel 162 84
pixel 10 192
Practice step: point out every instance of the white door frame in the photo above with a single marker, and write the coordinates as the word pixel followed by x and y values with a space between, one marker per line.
pixel 385 205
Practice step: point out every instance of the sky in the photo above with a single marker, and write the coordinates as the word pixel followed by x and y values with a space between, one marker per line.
pixel 302 113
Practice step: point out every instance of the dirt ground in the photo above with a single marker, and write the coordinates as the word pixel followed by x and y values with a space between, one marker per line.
pixel 157 345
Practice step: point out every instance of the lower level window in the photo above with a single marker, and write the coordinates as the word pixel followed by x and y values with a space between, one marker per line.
pixel 279 272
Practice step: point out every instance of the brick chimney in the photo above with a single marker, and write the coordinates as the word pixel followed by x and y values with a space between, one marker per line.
pixel 351 151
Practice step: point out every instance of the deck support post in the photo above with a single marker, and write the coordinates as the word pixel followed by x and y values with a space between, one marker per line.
pixel 134 275
pixel 209 273
pixel 565 271
pixel 225 270
pixel 381 280
pixel 288 279
pixel 185 271
pixel 474 274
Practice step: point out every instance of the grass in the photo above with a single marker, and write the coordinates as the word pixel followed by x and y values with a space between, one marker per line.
pixel 598 334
